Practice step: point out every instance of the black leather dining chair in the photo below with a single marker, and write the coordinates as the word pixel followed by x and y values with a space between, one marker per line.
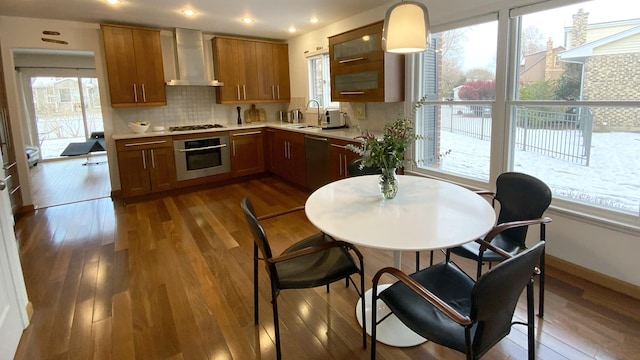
pixel 444 305
pixel 314 261
pixel 523 199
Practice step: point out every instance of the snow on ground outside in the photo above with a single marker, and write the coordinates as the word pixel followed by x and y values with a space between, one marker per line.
pixel 611 180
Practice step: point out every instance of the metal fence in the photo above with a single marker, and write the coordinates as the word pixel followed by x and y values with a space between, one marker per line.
pixel 564 134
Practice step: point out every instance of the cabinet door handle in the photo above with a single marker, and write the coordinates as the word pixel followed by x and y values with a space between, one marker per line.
pixel 238 91
pixel 14 190
pixel 247 133
pixel 351 92
pixel 144 94
pixel 144 160
pixel 146 143
pixel 340 158
pixel 135 93
pixel 203 148
pixel 351 60
pixel 339 146
pixel 346 166
pixel 316 138
pixel 244 91
pixel 273 91
pixel 285 150
pixel 233 142
pixel 278 88
pixel 153 159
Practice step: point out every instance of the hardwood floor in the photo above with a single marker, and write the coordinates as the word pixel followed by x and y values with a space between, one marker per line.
pixel 67 181
pixel 172 279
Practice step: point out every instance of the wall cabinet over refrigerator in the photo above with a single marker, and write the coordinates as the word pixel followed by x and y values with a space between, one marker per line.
pixel 134 66
pixel 251 70
pixel 361 71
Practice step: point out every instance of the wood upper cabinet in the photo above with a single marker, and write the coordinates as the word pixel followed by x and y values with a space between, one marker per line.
pixel 252 71
pixel 146 165
pixel 340 157
pixel 361 71
pixel 247 152
pixel 134 66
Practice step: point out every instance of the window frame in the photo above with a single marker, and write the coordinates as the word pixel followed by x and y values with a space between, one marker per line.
pixel 501 158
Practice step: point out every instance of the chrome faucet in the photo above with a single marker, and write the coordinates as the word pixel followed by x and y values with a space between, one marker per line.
pixel 318 107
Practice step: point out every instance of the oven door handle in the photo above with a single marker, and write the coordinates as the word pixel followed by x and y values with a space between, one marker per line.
pixel 202 148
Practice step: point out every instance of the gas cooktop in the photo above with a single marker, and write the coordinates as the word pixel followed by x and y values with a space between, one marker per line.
pixel 195 127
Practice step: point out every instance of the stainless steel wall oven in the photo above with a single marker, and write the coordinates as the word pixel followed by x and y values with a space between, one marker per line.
pixel 201 157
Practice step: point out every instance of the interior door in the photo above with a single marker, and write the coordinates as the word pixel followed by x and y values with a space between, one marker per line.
pixel 12 290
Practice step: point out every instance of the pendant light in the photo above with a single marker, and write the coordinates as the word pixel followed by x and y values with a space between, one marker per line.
pixel 406 28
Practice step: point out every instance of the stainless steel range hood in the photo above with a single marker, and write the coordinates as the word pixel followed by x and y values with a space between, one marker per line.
pixel 190 60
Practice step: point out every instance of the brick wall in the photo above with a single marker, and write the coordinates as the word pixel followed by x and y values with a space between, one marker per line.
pixel 611 78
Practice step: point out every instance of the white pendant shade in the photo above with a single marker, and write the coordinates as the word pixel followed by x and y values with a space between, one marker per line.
pixel 406 28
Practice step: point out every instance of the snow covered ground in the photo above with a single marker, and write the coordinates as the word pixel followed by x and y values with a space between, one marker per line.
pixel 612 179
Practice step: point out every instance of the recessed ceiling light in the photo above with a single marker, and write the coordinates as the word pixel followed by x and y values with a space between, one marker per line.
pixel 247 20
pixel 314 20
pixel 113 2
pixel 292 29
pixel 188 12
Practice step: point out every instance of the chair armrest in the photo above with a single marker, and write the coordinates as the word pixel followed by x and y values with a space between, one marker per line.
pixel 271 216
pixel 424 293
pixel 485 192
pixel 314 249
pixel 514 224
pixel 484 245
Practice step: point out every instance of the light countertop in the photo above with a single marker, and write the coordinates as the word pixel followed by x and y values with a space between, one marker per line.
pixel 342 134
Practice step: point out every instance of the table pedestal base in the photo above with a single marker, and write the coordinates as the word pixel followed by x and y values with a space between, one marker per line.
pixel 391 331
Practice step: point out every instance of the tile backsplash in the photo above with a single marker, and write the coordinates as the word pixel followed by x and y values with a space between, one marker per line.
pixel 196 105
pixel 187 105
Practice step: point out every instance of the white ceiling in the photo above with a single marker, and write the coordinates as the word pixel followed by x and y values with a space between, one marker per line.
pixel 273 17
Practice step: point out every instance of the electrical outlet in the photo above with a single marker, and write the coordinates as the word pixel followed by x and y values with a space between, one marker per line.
pixel 359 110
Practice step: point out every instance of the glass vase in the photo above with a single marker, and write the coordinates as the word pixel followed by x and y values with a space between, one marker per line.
pixel 388 183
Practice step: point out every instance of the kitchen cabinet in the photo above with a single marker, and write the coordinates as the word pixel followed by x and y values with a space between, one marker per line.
pixel 7 148
pixel 288 156
pixel 147 165
pixel 252 71
pixel 247 152
pixel 361 71
pixel 134 66
pixel 340 157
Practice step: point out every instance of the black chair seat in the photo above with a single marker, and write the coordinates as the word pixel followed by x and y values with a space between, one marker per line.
pixel 448 283
pixel 315 269
pixel 472 249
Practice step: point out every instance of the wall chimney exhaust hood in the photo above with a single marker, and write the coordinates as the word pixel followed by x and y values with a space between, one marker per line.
pixel 190 60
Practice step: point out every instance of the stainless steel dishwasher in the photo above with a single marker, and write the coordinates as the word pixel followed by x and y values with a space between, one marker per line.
pixel 317 156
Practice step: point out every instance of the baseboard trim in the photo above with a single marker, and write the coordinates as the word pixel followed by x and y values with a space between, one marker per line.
pixel 594 276
pixel 29 309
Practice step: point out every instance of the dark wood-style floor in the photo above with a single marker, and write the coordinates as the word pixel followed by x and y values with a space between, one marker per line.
pixel 67 180
pixel 172 279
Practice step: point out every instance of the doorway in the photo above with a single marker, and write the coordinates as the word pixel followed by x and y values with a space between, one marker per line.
pixel 62 98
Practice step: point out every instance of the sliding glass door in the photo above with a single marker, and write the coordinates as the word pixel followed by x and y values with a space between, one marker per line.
pixel 66 109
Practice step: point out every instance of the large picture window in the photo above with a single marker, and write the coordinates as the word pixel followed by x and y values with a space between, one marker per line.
pixel 458 78
pixel 574 114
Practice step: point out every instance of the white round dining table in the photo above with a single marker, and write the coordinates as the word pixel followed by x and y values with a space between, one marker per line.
pixel 425 215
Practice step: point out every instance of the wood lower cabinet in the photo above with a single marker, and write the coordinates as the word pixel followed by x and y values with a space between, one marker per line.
pixel 288 156
pixel 340 157
pixel 134 66
pixel 247 152
pixel 147 165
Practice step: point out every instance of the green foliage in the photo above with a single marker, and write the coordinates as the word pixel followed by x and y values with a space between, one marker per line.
pixel 538 90
pixel 569 83
pixel 388 151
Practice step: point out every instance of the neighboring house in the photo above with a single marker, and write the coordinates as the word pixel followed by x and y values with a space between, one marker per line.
pixel 605 51
pixel 54 95
pixel 542 65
